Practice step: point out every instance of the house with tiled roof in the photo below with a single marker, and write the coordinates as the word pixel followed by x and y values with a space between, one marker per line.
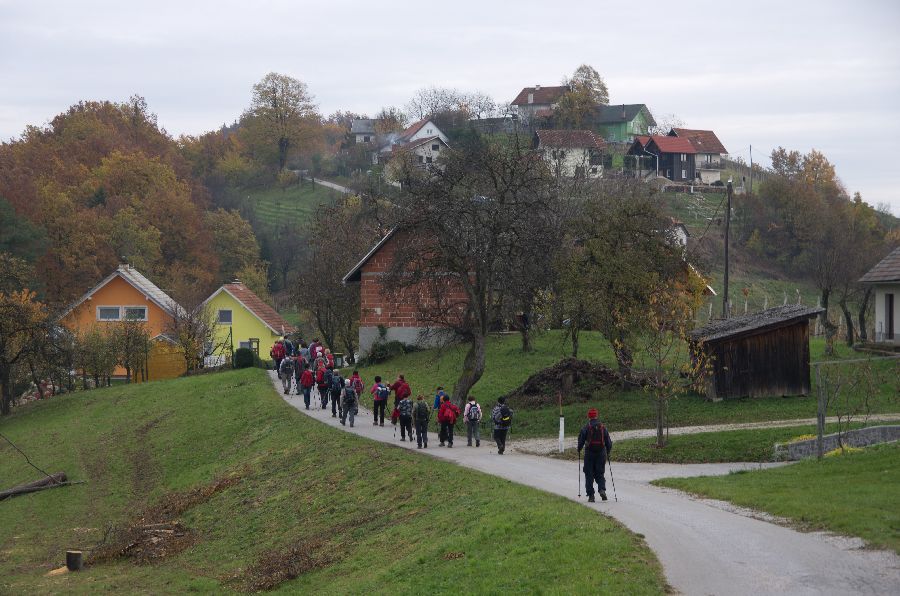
pixel 621 123
pixel 537 101
pixel 709 152
pixel 126 295
pixel 571 153
pixel 423 138
pixel 884 278
pixel 243 320
pixel 672 157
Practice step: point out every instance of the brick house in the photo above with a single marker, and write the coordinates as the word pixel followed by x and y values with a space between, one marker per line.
pixel 401 317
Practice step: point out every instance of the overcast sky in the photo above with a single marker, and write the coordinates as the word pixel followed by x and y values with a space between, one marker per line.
pixel 800 74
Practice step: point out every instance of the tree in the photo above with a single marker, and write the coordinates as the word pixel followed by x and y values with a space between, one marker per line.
pixel 282 116
pixel 18 236
pixel 586 79
pixel 95 355
pixel 665 123
pixel 193 325
pixel 474 231
pixel 233 240
pixel 390 119
pixel 131 340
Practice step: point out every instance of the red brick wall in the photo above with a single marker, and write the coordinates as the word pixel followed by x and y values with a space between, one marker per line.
pixel 394 312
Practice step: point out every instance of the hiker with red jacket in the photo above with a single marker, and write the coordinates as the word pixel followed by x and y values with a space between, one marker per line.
pixel 380 393
pixel 357 383
pixel 306 383
pixel 594 439
pixel 401 390
pixel 278 353
pixel 323 382
pixel 447 416
pixel 329 359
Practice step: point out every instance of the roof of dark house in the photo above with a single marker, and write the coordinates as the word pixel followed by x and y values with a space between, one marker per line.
pixel 704 141
pixel 540 95
pixel 623 112
pixel 570 139
pixel 888 269
pixel 362 126
pixel 672 144
pixel 751 324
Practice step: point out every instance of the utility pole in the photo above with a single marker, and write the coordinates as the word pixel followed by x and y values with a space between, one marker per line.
pixel 751 169
pixel 728 189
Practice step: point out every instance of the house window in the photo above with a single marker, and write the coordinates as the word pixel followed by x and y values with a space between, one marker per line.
pixel 366 139
pixel 428 160
pixel 224 317
pixel 683 157
pixel 435 147
pixel 109 313
pixel 708 158
pixel 428 131
pixel 245 345
pixel 889 316
pixel 421 159
pixel 684 174
pixel 135 313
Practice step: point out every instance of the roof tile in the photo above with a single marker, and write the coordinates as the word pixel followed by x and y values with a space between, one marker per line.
pixel 544 95
pixel 570 139
pixel 704 141
pixel 254 304
pixel 888 269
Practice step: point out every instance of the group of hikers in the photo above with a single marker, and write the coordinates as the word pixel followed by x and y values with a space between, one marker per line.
pixel 304 366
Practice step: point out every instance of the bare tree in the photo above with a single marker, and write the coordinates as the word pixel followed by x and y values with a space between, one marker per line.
pixel 480 233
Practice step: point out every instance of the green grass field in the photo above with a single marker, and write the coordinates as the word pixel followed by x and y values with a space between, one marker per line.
pixel 507 368
pixel 268 498
pixel 857 494
pixel 290 206
pixel 752 445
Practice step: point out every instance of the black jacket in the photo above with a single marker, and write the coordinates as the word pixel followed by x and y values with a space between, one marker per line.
pixel 583 438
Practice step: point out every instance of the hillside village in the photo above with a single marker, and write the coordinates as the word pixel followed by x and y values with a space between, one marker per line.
pixel 550 262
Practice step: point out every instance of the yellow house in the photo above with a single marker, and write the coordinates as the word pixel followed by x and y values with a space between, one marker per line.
pixel 126 295
pixel 243 320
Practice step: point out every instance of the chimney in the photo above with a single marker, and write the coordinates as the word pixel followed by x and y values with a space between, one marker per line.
pixel 623 111
pixel 531 98
pixel 537 87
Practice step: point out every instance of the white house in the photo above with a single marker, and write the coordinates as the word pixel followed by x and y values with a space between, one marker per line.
pixel 421 132
pixel 885 280
pixel 571 153
pixel 537 100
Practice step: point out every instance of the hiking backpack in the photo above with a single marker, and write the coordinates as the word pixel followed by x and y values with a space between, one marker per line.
pixel 595 441
pixel 337 383
pixel 327 377
pixel 382 393
pixel 474 413
pixel 357 384
pixel 504 417
pixel 421 411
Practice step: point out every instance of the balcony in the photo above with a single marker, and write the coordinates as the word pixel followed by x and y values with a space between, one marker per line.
pixel 712 165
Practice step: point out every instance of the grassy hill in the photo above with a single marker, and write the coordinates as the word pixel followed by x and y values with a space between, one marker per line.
pixel 275 206
pixel 507 368
pixel 243 493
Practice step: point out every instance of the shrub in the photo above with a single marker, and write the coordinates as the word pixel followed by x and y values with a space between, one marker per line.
pixel 246 358
pixel 385 350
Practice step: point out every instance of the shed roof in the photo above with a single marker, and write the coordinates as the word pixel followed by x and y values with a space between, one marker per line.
pixel 253 303
pixel 540 95
pixel 570 139
pixel 887 270
pixel 750 324
pixel 704 141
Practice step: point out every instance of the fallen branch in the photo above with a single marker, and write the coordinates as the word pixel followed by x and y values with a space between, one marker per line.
pixel 51 481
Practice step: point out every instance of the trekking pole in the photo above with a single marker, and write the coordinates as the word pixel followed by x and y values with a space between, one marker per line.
pixel 578 474
pixel 611 477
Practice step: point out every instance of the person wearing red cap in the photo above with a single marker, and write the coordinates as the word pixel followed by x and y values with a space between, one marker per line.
pixel 594 439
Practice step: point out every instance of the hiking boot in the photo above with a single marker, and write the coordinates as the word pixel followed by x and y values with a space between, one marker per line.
pixel 591 499
pixel 402 439
pixel 603 495
pixel 382 424
pixel 450 445
pixel 469 444
pixel 442 443
pixel 343 423
pixel 333 415
pixel 478 443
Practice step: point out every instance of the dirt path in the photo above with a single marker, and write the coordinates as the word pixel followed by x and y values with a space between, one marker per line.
pixel 545 446
pixel 333 186
pixel 705 547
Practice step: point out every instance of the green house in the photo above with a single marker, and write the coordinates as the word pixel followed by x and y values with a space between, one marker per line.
pixel 243 320
pixel 621 123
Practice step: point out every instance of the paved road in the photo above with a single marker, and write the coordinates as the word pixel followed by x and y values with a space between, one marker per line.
pixel 333 186
pixel 542 446
pixel 705 547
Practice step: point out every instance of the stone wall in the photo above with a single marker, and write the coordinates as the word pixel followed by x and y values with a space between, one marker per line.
pixel 860 437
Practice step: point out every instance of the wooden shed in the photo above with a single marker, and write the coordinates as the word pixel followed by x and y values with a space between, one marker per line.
pixel 757 355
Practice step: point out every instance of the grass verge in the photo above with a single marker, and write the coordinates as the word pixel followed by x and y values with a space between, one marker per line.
pixel 214 484
pixel 507 368
pixel 856 494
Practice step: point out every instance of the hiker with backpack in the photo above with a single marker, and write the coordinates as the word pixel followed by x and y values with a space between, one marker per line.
pixel 404 409
pixel 277 353
pixel 306 383
pixel 401 389
pixel 349 403
pixel 286 373
pixel 421 415
pixel 447 416
pixel 323 384
pixel 595 440
pixel 329 359
pixel 501 416
pixel 472 416
pixel 357 383
pixel 298 372
pixel 380 393
pixel 337 386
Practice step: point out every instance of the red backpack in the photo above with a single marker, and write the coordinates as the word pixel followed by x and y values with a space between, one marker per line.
pixel 595 441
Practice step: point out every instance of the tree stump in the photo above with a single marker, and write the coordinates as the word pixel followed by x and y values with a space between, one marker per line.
pixel 74 560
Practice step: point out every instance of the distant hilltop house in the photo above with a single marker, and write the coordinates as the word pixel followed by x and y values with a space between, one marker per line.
pixel 571 153
pixel 672 157
pixel 363 130
pixel 243 320
pixel 424 140
pixel 126 295
pixel 884 278
pixel 537 101
pixel 709 154
pixel 622 123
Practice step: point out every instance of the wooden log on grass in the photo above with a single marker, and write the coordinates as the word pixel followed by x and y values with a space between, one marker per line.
pixel 51 481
